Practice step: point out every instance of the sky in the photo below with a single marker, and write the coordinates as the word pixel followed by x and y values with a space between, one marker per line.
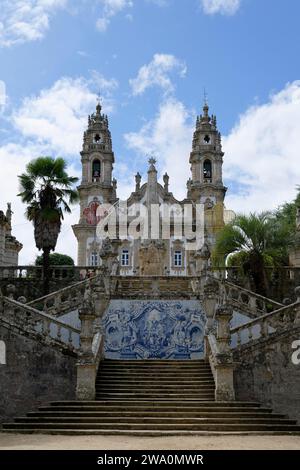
pixel 151 61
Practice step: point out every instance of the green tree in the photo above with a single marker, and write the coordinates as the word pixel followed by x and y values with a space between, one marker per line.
pixel 47 189
pixel 56 259
pixel 256 240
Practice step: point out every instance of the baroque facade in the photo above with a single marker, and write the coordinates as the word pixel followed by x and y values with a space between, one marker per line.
pixel 9 245
pixel 158 254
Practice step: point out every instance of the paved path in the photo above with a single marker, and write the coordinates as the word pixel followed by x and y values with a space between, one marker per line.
pixel 48 442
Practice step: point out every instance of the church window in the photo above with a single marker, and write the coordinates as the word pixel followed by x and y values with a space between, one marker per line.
pixel 94 259
pixel 96 170
pixel 97 139
pixel 207 139
pixel 178 259
pixel 125 258
pixel 207 170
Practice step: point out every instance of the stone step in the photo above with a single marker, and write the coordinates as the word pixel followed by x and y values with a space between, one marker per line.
pixel 153 362
pixel 155 426
pixel 158 385
pixel 153 420
pixel 155 414
pixel 209 388
pixel 154 395
pixel 142 409
pixel 158 403
pixel 141 380
pixel 150 433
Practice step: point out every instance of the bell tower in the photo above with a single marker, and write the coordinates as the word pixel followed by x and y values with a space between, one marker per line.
pixel 97 185
pixel 97 157
pixel 206 184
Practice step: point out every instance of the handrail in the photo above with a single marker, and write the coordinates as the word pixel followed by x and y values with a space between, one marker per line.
pixel 266 325
pixel 37 322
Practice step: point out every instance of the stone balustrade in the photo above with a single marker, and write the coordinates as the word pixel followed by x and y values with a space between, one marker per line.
pixel 63 301
pixel 72 273
pixel 264 327
pixel 246 301
pixel 43 326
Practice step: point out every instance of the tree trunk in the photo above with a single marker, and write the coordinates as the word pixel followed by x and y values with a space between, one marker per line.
pixel 257 269
pixel 46 271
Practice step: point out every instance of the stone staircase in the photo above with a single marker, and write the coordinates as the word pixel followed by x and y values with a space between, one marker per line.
pixel 153 397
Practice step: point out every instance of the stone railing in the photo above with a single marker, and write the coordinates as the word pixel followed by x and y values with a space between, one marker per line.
pixel 281 280
pixel 72 273
pixel 264 327
pixel 44 327
pixel 63 301
pixel 246 301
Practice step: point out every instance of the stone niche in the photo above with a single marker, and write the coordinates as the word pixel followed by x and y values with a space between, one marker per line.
pixel 154 330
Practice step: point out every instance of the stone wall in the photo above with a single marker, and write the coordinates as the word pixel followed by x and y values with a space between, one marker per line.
pixel 266 374
pixel 33 375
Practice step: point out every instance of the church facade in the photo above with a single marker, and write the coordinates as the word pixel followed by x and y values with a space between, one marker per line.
pixel 158 253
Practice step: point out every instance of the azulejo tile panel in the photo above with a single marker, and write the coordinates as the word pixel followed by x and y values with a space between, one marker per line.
pixel 154 330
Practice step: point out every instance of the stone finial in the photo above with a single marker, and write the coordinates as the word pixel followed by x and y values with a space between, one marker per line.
pixel 166 179
pixel 138 180
pixel 152 162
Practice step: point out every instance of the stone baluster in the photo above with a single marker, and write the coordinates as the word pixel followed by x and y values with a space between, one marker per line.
pixel 86 368
pixel 224 365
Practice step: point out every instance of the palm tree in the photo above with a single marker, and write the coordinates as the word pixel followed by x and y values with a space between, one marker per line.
pixel 256 239
pixel 48 190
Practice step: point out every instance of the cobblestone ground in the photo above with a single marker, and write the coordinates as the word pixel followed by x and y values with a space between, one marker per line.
pixel 45 442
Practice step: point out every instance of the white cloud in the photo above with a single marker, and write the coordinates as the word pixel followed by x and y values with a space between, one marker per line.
pixel 3 96
pixel 15 157
pixel 261 162
pixel 109 10
pixel 58 115
pixel 169 137
pixel 51 123
pixel 262 153
pixel 157 73
pixel 225 7
pixel 26 20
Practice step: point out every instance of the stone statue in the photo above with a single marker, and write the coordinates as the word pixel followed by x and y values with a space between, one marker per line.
pixel 166 179
pixel 138 180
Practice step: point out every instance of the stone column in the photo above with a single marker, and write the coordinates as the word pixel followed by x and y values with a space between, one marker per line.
pixel 224 365
pixel 86 366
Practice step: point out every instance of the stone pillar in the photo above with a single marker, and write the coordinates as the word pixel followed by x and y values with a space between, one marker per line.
pixel 210 301
pixel 224 365
pixel 86 366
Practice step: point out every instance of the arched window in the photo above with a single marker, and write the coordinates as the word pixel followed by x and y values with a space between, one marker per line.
pixel 96 170
pixel 2 353
pixel 207 170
